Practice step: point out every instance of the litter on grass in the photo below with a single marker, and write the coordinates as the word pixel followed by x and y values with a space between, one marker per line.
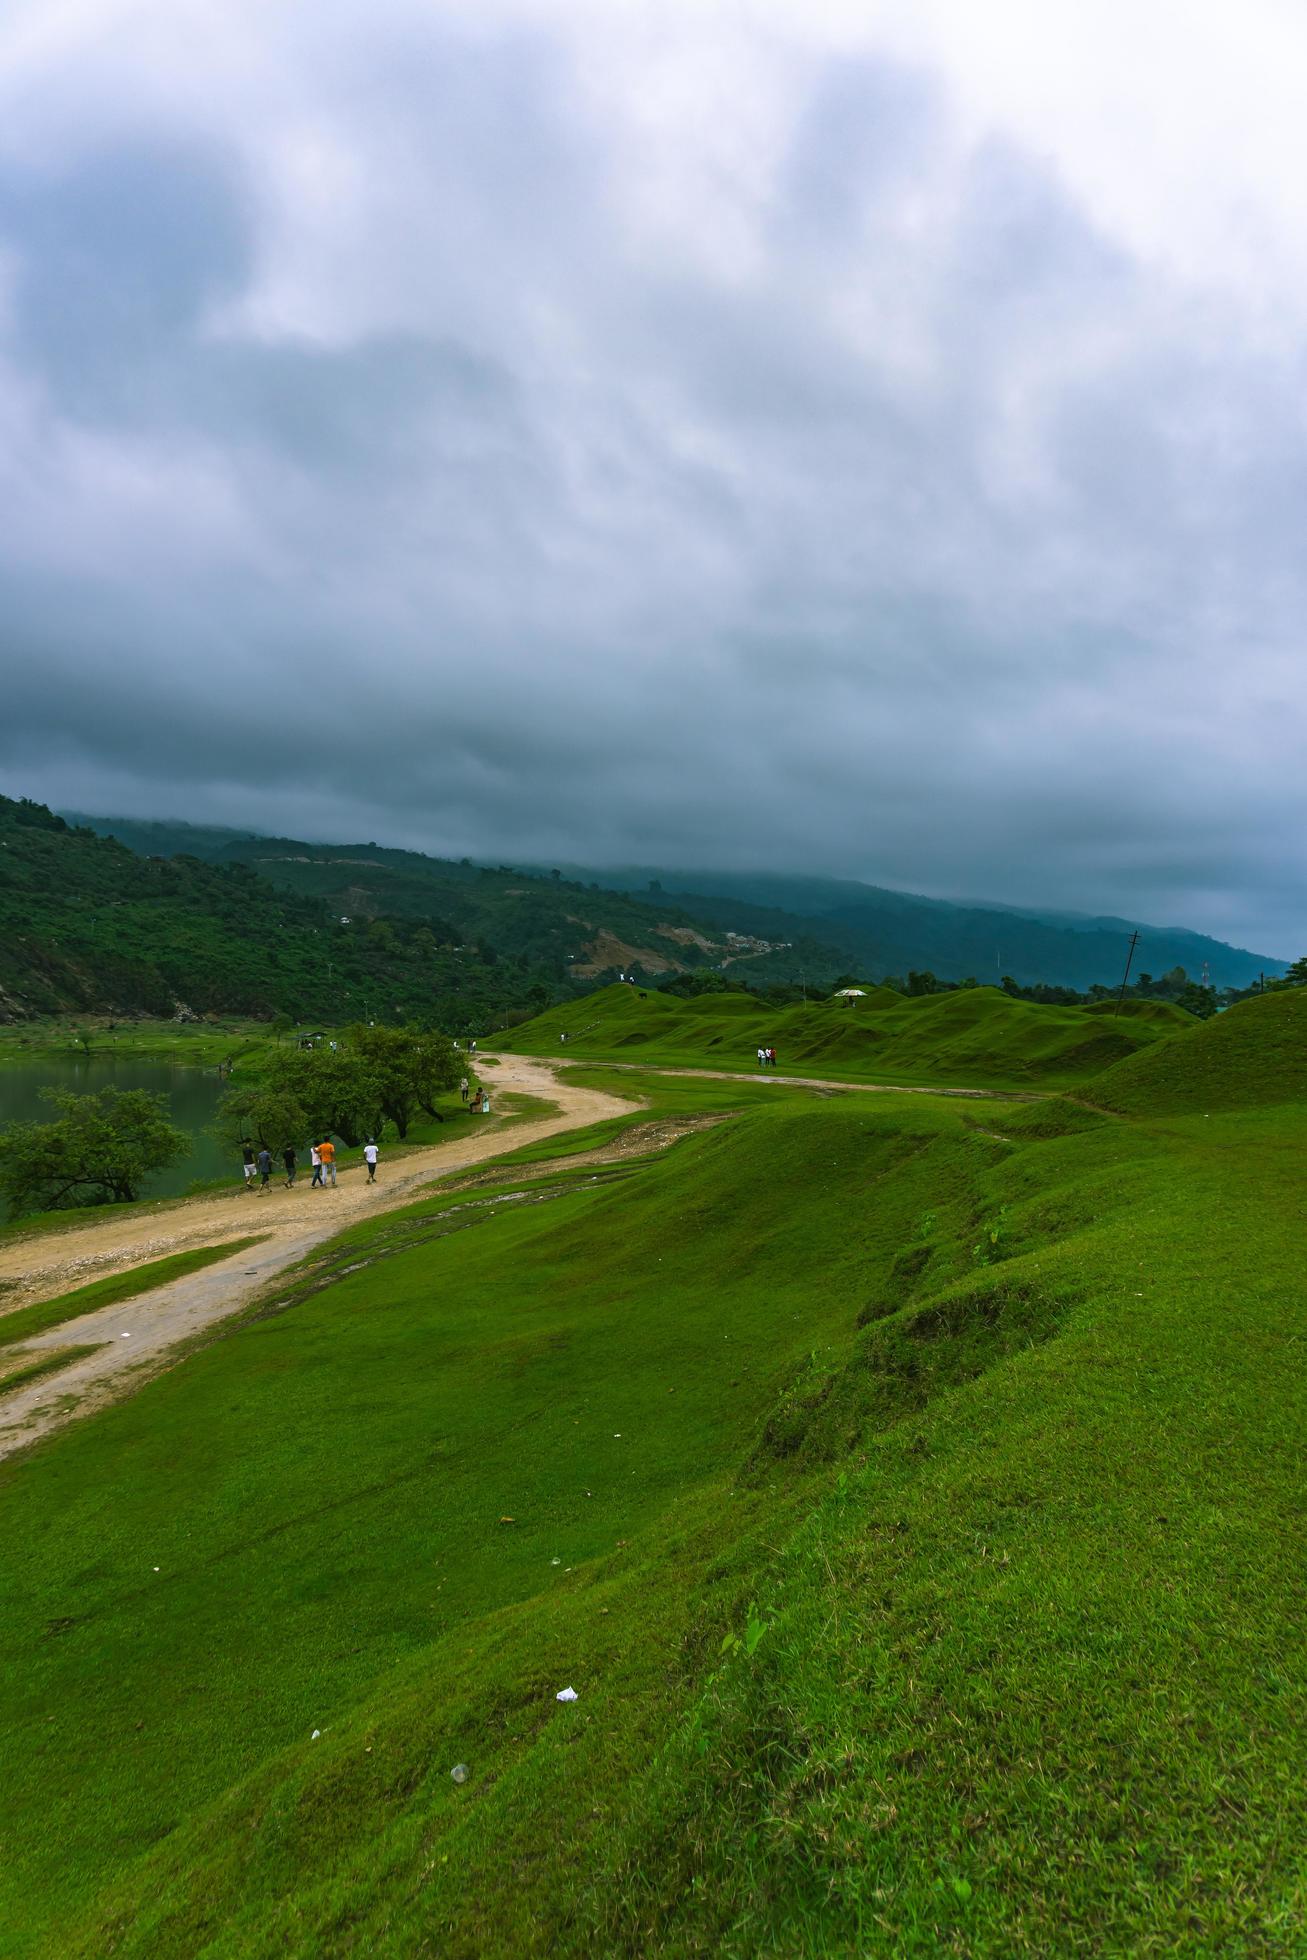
pixel 459 1773
pixel 565 1694
pixel 315 1735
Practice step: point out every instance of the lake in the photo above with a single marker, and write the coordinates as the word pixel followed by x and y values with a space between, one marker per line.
pixel 192 1095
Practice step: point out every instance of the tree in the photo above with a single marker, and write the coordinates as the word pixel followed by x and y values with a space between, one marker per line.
pixel 1296 976
pixel 99 1151
pixel 409 1070
pixel 338 1091
pixel 263 1113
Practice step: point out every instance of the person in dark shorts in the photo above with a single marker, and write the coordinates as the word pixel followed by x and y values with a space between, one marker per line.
pixel 265 1167
pixel 289 1159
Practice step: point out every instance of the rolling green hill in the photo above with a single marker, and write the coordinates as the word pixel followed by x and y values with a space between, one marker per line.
pixel 911 1492
pixel 1252 1056
pixel 977 1037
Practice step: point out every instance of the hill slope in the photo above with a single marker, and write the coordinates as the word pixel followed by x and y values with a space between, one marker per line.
pixel 915 1509
pixel 817 926
pixel 88 926
pixel 1253 1055
pixel 571 929
pixel 893 932
pixel 976 1037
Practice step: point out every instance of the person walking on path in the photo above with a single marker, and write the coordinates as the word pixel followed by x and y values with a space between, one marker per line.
pixel 247 1152
pixel 315 1158
pixel 463 1088
pixel 288 1158
pixel 265 1167
pixel 327 1152
pixel 370 1159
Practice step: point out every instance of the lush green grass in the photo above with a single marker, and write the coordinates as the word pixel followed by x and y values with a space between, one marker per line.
pixel 1252 1056
pixel 44 1364
pixel 23 1322
pixel 994 1411
pixel 99 1036
pixel 975 1038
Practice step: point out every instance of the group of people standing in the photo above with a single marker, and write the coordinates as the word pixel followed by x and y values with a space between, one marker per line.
pixel 322 1157
pixel 766 1058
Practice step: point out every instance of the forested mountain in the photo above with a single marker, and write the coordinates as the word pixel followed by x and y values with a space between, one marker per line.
pixel 89 925
pixel 886 932
pixel 573 930
pixel 574 925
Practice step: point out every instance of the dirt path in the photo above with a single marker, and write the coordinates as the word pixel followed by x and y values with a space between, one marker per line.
pixel 133 1340
pixel 813 1081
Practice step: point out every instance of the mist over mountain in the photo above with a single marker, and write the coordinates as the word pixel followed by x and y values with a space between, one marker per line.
pixel 810 924
pixel 893 931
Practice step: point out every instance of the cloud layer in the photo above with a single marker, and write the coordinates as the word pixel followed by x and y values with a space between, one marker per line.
pixel 826 437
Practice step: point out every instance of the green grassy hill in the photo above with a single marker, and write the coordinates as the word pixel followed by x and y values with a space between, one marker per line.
pixel 912 1493
pixel 977 1037
pixel 1253 1055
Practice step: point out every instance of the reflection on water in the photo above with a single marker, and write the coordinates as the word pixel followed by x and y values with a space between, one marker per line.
pixel 192 1096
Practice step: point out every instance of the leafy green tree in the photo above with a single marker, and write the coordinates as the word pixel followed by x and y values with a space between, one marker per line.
pixel 263 1113
pixel 1296 976
pixel 409 1069
pixel 338 1091
pixel 100 1150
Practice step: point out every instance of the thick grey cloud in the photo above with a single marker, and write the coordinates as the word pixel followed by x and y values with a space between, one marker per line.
pixel 609 435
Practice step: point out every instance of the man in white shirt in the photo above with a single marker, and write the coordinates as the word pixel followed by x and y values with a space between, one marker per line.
pixel 370 1159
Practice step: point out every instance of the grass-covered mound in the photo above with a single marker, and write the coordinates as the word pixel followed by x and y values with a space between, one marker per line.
pixel 911 1492
pixel 977 1037
pixel 1251 1056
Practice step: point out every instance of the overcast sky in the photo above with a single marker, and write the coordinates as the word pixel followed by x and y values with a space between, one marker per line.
pixel 864 438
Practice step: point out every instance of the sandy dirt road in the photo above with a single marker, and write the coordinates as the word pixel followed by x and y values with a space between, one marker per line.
pixel 812 1081
pixel 133 1341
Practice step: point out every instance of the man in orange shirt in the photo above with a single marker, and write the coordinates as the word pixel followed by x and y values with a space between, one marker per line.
pixel 327 1152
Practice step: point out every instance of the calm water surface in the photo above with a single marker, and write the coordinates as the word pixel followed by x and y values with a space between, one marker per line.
pixel 192 1095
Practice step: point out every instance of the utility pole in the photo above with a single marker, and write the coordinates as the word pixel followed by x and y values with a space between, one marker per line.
pixel 1130 953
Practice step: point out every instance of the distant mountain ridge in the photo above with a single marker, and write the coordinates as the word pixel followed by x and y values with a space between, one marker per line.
pixel 888 931
pixel 817 924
